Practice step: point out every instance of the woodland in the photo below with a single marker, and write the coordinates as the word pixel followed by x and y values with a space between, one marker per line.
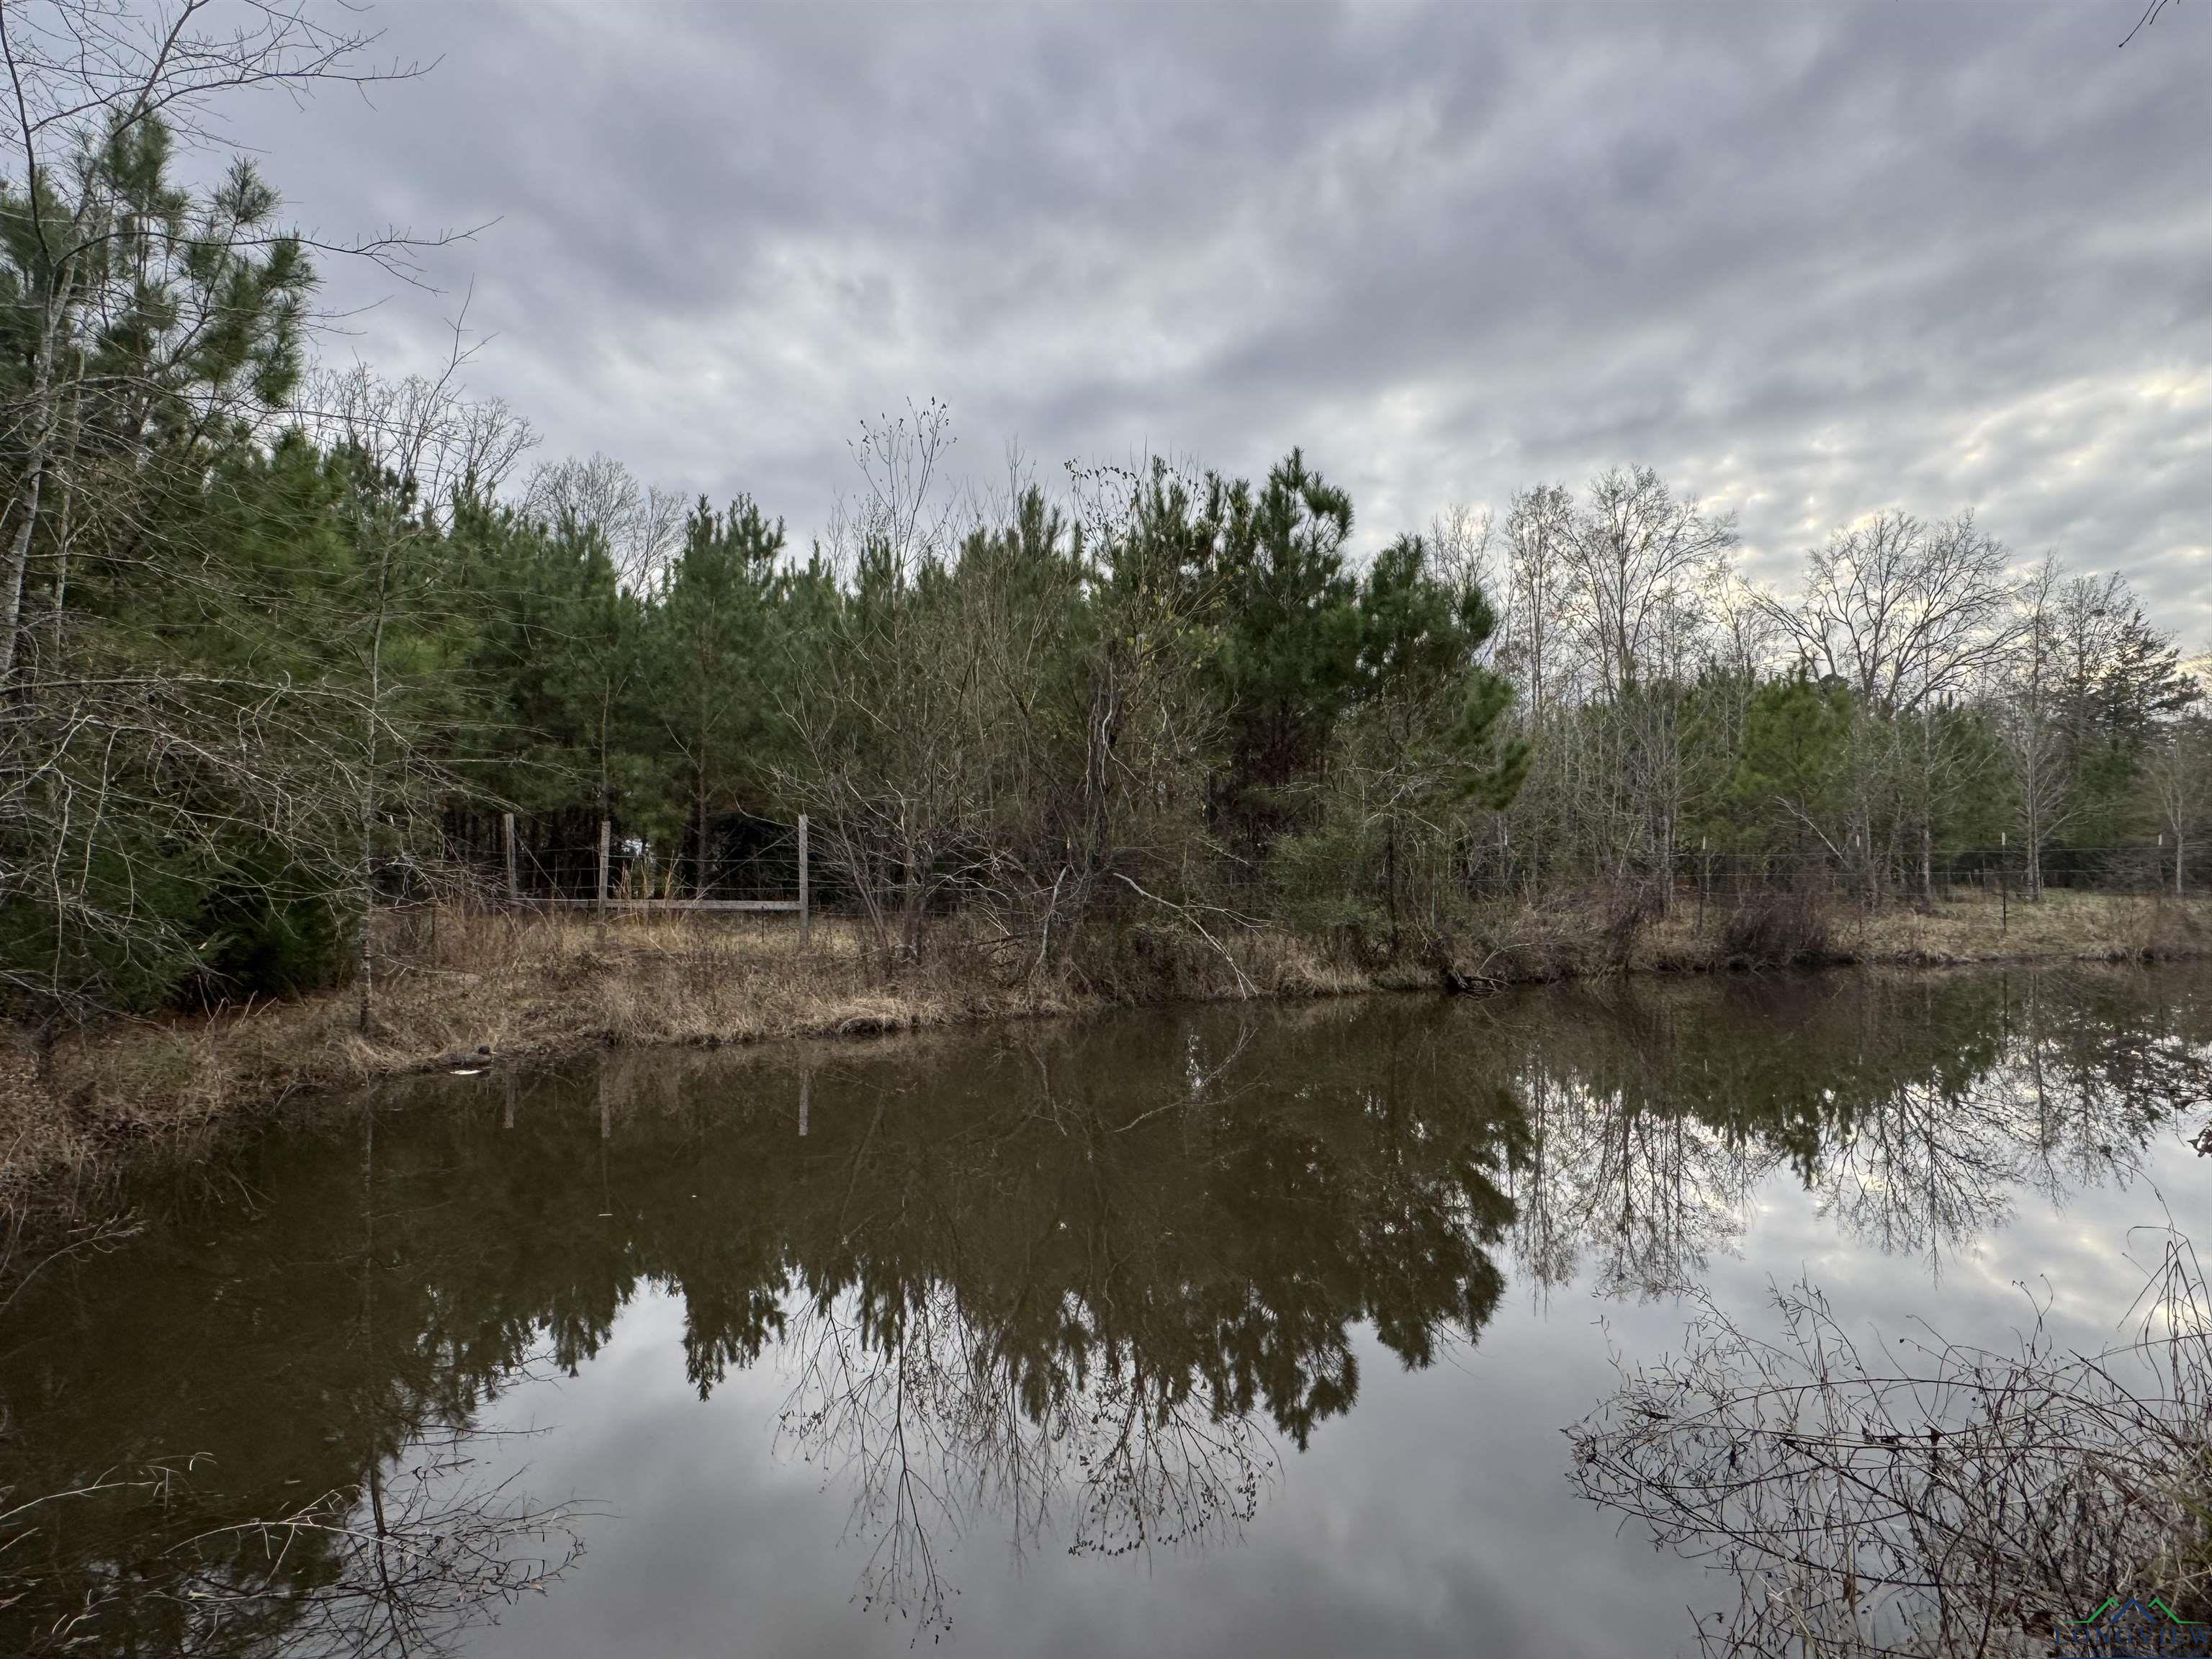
pixel 281 642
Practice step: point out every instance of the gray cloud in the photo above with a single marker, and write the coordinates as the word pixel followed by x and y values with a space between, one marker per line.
pixel 1808 262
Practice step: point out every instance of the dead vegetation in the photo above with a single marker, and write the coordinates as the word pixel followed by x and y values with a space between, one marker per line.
pixel 1937 1500
pixel 1577 936
pixel 475 986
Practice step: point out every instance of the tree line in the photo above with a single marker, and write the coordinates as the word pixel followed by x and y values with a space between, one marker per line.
pixel 275 639
pixel 1923 688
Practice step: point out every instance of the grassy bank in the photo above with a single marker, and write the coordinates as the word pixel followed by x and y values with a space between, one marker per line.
pixel 478 986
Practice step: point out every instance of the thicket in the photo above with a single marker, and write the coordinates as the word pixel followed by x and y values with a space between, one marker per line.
pixel 276 643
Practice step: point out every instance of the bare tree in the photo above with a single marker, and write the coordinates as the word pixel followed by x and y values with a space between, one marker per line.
pixel 414 444
pixel 2179 776
pixel 1643 570
pixel 1906 615
pixel 2030 714
pixel 883 715
pixel 1900 611
pixel 640 528
pixel 1538 527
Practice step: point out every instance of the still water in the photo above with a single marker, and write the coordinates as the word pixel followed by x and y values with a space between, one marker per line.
pixel 1206 1331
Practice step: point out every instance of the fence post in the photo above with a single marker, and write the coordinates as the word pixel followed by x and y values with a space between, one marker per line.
pixel 805 914
pixel 507 837
pixel 606 830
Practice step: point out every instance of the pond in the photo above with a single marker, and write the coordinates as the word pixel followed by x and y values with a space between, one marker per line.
pixel 1192 1331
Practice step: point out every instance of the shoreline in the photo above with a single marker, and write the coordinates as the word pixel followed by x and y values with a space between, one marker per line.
pixel 504 989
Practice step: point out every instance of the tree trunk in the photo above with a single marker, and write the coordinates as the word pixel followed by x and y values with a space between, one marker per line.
pixel 700 797
pixel 1390 881
pixel 18 554
pixel 367 959
pixel 40 426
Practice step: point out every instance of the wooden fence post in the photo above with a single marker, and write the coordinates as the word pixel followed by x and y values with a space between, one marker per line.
pixel 507 835
pixel 805 915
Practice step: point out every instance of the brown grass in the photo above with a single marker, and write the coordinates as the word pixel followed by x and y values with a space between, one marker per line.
pixel 1567 938
pixel 488 986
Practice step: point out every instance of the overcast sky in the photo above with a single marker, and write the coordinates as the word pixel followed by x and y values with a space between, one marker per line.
pixel 1809 261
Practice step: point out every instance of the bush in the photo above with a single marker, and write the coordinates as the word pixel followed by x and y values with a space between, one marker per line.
pixel 1777 929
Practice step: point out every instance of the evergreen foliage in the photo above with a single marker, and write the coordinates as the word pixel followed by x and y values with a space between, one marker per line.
pixel 284 645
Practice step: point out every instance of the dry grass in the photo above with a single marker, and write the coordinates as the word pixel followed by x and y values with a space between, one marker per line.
pixel 509 987
pixel 2062 925
pixel 462 988
pixel 1569 937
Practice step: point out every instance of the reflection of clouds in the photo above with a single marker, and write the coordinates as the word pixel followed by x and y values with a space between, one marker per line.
pixel 1925 1168
pixel 930 1425
pixel 1932 1498
pixel 1917 1134
pixel 421 1552
pixel 1639 1200
pixel 1073 1286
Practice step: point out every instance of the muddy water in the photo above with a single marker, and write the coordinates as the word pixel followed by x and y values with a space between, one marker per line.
pixel 1189 1332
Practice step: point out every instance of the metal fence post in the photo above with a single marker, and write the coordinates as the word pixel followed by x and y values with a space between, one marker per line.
pixel 507 837
pixel 805 914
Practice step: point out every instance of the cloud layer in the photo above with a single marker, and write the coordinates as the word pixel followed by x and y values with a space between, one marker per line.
pixel 1808 262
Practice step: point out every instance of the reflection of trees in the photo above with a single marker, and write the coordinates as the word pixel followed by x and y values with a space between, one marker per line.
pixel 1069 1304
pixel 384 1541
pixel 927 1428
pixel 2068 1083
pixel 404 1562
pixel 1913 1109
pixel 399 1563
pixel 1071 1283
pixel 1645 1197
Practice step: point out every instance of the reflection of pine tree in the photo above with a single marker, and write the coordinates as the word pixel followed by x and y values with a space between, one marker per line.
pixel 1075 1284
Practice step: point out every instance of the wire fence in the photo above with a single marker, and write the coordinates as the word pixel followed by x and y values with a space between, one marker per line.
pixel 1947 874
pixel 567 860
pixel 1933 875
pixel 745 863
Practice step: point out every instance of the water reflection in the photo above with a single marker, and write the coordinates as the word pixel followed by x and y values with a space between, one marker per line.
pixel 1918 1110
pixel 1087 1286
